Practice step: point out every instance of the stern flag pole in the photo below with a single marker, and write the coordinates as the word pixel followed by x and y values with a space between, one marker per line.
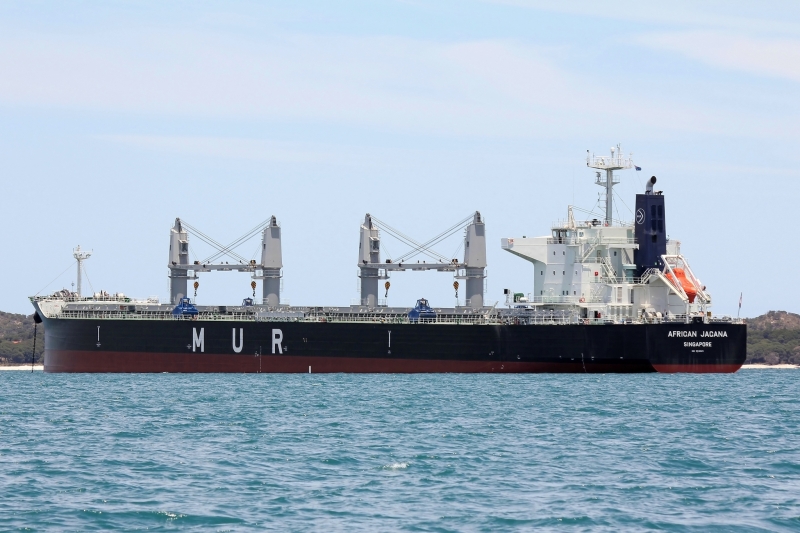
pixel 740 305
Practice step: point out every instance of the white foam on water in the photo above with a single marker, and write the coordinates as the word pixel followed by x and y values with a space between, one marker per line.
pixel 396 466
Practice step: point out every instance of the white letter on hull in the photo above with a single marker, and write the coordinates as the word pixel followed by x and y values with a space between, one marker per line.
pixel 197 340
pixel 277 339
pixel 238 349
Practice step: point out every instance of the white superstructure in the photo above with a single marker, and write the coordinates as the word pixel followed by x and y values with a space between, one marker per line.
pixel 589 269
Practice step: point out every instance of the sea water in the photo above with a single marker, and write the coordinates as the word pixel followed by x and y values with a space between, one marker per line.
pixel 448 452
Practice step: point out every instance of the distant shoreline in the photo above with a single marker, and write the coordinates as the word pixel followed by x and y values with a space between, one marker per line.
pixel 21 367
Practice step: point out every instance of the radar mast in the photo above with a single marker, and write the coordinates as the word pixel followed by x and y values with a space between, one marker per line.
pixel 80 257
pixel 609 164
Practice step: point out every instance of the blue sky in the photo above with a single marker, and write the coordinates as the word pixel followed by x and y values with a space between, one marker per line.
pixel 117 117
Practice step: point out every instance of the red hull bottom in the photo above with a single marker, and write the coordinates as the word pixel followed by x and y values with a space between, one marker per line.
pixel 148 362
pixel 697 369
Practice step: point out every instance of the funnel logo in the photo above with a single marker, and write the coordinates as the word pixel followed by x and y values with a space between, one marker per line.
pixel 640 216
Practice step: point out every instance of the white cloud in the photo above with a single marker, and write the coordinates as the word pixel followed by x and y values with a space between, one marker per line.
pixel 733 15
pixel 232 148
pixel 767 57
pixel 482 88
pixel 391 82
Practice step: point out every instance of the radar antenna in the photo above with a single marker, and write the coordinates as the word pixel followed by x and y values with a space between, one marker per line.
pixel 609 164
pixel 80 256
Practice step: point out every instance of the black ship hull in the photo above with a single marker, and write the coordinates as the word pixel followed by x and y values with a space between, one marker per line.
pixel 85 345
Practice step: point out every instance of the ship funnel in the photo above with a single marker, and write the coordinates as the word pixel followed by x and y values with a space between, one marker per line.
pixel 650 230
pixel 650 183
pixel 271 263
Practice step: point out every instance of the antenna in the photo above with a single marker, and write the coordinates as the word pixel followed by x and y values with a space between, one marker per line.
pixel 80 257
pixel 609 164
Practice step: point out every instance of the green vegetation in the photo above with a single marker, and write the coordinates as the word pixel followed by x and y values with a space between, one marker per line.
pixel 774 338
pixel 16 339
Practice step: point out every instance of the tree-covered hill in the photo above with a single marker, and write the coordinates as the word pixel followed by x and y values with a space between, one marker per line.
pixel 16 339
pixel 774 338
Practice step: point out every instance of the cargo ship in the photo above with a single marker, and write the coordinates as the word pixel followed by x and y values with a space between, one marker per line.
pixel 606 296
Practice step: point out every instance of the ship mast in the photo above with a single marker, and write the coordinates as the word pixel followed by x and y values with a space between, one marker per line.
pixel 609 164
pixel 80 257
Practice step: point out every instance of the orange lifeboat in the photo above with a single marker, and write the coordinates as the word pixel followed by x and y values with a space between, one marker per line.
pixel 683 281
